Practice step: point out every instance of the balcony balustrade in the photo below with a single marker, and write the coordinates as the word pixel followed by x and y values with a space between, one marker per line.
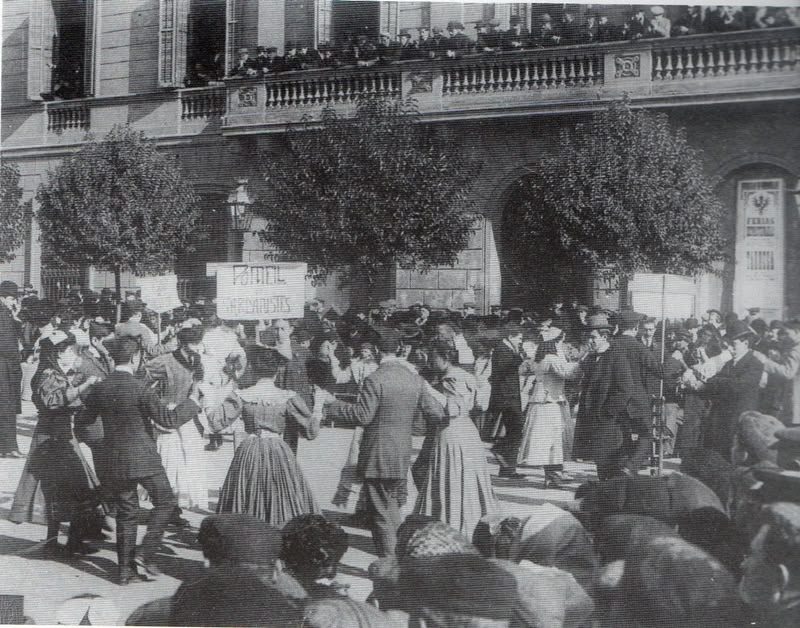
pixel 758 52
pixel 709 68
pixel 67 115
pixel 698 69
pixel 202 102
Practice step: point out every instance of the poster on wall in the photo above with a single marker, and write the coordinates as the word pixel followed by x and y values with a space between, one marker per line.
pixel 759 247
pixel 260 291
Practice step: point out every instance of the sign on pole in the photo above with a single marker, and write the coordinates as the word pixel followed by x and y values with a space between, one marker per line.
pixel 256 291
pixel 663 296
pixel 160 292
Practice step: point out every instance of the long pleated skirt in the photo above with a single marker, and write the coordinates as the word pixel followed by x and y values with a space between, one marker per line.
pixel 457 486
pixel 264 480
pixel 542 437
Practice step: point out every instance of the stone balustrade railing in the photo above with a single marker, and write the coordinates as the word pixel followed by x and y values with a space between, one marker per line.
pixel 202 102
pixel 65 115
pixel 702 69
pixel 701 57
pixel 547 69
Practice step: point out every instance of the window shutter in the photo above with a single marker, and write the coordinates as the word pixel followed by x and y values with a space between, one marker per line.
pixel 231 33
pixel 89 48
pixel 41 32
pixel 173 24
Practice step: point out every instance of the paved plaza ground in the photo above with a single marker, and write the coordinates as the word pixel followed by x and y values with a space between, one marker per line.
pixel 46 583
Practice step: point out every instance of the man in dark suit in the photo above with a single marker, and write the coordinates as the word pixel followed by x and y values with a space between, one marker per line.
pixel 735 389
pixel 127 406
pixel 646 375
pixel 505 402
pixel 603 430
pixel 386 406
pixel 10 369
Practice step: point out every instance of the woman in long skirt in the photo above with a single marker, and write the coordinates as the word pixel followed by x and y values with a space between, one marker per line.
pixel 264 479
pixel 56 466
pixel 451 473
pixel 548 411
pixel 181 449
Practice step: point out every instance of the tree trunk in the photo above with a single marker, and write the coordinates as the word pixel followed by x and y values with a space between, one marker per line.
pixel 118 289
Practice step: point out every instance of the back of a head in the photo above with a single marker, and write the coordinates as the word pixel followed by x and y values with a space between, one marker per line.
pixel 312 546
pixel 122 349
pixel 236 538
pixel 620 534
pixel 232 596
pixel 670 582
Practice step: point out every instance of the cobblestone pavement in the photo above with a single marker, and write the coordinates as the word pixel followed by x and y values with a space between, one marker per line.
pixel 46 583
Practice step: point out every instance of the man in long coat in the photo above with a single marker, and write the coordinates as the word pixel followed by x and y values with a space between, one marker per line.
pixel 646 372
pixel 603 430
pixel 387 404
pixel 10 370
pixel 505 401
pixel 735 389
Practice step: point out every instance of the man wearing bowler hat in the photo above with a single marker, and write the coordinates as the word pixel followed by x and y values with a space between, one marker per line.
pixel 10 369
pixel 604 427
pixel 735 389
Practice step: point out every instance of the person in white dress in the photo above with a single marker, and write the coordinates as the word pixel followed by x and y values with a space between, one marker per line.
pixel 548 411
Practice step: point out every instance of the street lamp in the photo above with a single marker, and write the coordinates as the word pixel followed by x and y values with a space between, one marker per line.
pixel 239 207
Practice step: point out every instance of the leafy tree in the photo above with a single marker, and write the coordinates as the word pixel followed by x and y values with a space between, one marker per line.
pixel 12 212
pixel 359 194
pixel 625 193
pixel 120 205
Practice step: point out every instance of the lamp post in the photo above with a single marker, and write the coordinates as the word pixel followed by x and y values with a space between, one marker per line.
pixel 238 203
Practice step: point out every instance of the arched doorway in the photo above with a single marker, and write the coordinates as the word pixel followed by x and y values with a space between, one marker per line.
pixel 536 272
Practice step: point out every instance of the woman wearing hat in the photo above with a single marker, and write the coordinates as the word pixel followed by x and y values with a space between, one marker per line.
pixel 56 464
pixel 264 479
pixel 548 412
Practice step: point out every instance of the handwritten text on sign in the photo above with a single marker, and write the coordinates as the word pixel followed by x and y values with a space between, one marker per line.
pixel 260 291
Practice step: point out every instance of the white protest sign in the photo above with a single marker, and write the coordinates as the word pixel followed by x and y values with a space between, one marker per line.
pixel 264 290
pixel 160 292
pixel 679 295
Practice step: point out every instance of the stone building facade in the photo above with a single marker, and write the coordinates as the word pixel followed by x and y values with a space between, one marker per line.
pixel 735 93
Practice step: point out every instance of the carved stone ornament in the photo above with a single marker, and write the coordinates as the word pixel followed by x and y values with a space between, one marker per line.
pixel 421 82
pixel 247 97
pixel 627 66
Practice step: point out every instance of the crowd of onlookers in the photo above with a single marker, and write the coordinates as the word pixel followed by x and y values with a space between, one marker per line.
pixel 717 544
pixel 438 42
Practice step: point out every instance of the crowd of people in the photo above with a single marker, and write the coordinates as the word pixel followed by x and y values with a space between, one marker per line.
pixel 452 42
pixel 711 545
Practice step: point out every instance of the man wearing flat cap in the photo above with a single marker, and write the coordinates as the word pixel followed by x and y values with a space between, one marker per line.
pixel 735 389
pixel 389 400
pixel 10 369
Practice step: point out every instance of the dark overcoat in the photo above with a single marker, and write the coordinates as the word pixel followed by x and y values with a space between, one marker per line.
pixel 608 392
pixel 127 406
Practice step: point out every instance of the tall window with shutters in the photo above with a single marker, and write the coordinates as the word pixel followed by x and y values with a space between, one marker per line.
pixel 234 24
pixel 173 20
pixel 61 49
pixel 41 39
